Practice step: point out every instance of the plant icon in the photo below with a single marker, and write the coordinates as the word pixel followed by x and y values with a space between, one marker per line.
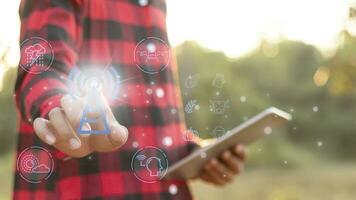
pixel 219 81
pixel 191 105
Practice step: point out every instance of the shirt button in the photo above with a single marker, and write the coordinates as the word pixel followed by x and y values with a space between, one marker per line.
pixel 143 2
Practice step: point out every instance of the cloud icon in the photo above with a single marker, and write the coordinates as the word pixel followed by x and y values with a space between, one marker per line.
pixel 35 48
pixel 41 169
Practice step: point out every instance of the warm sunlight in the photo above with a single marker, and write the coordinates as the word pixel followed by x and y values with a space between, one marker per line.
pixel 236 27
pixel 240 99
pixel 9 32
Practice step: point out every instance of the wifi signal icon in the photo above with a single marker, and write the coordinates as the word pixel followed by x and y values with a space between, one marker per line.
pixel 141 158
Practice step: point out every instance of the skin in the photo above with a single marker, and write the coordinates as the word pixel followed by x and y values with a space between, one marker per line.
pixel 60 132
pixel 223 169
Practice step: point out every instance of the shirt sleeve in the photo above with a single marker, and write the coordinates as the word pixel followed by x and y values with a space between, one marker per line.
pixel 58 23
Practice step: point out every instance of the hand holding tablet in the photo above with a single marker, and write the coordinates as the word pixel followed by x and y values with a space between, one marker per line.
pixel 246 133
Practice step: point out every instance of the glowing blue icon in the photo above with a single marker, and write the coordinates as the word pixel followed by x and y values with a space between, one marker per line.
pixel 93 105
pixel 101 119
pixel 95 86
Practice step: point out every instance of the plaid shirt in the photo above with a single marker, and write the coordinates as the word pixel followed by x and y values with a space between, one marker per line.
pixel 85 32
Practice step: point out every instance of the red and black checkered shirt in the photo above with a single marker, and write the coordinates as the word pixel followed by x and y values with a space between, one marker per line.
pixel 85 32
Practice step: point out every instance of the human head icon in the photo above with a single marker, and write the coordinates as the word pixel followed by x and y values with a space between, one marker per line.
pixel 149 164
pixel 154 166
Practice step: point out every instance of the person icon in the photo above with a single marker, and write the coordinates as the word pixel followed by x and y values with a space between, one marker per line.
pixel 154 166
pixel 149 164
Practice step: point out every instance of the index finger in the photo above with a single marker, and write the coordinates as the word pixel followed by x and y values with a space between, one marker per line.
pixel 113 134
pixel 96 104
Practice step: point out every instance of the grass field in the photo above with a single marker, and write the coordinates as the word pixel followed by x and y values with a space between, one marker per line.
pixel 336 182
pixel 6 173
pixel 322 181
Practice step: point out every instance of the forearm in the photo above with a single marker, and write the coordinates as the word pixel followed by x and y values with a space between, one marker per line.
pixel 55 22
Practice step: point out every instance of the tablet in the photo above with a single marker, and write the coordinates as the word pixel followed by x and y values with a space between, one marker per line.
pixel 246 133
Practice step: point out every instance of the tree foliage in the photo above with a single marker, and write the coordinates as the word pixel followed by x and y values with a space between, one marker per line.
pixel 275 74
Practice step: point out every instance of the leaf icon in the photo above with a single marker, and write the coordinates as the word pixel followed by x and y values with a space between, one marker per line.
pixel 192 81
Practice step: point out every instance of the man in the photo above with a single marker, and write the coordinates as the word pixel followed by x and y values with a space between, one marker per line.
pixel 97 32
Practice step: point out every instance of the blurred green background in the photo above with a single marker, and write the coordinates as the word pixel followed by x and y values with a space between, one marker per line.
pixel 314 158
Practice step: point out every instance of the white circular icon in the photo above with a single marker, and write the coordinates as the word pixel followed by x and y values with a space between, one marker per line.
pixel 36 55
pixel 152 55
pixel 35 164
pixel 149 164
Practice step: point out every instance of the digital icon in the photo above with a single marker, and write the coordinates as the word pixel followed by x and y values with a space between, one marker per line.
pixel 154 166
pixel 219 106
pixel 219 81
pixel 36 55
pixel 190 135
pixel 191 81
pixel 90 84
pixel 87 120
pixel 141 158
pixel 191 106
pixel 92 105
pixel 218 132
pixel 35 164
pixel 152 55
pixel 149 164
pixel 104 79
